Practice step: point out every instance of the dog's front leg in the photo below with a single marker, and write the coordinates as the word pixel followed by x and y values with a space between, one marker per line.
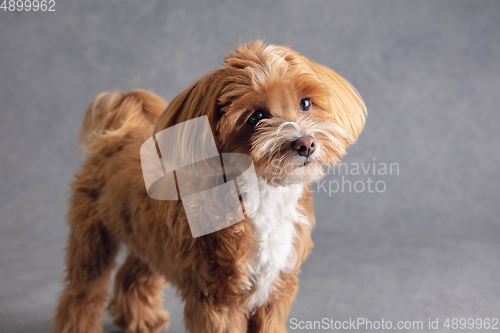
pixel 271 317
pixel 203 314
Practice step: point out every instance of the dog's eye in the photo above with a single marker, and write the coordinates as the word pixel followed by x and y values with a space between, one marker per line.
pixel 255 118
pixel 305 105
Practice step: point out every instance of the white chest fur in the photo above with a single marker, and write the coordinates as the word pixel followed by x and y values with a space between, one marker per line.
pixel 275 229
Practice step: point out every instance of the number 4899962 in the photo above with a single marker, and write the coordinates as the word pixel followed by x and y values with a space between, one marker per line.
pixel 28 5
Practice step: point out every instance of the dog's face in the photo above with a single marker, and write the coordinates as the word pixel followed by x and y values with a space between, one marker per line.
pixel 290 114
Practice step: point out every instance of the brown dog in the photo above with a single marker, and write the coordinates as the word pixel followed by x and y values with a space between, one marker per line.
pixel 289 114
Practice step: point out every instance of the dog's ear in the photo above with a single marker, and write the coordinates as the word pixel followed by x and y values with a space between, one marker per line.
pixel 200 99
pixel 345 104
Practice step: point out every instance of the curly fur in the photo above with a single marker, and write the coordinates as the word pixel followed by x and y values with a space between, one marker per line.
pixel 239 279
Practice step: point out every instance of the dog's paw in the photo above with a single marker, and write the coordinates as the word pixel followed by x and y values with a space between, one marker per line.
pixel 154 321
pixel 156 324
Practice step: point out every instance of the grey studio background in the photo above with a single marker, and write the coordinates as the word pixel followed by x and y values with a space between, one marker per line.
pixel 425 247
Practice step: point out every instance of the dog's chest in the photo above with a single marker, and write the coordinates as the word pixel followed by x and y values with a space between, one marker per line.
pixel 274 223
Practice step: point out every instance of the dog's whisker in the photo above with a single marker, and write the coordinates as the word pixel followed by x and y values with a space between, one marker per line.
pixel 330 136
pixel 293 123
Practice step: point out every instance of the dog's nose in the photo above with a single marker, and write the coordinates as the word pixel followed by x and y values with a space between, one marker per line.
pixel 305 146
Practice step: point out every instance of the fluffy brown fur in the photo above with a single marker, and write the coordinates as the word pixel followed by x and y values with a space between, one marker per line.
pixel 110 204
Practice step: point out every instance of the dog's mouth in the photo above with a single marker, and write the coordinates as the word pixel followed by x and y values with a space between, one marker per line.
pixel 306 163
pixel 305 160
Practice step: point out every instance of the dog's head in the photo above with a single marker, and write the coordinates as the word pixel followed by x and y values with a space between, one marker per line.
pixel 290 114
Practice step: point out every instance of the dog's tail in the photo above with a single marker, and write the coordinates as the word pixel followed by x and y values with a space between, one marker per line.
pixel 113 117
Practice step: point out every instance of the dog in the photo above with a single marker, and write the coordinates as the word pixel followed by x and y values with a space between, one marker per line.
pixel 291 115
